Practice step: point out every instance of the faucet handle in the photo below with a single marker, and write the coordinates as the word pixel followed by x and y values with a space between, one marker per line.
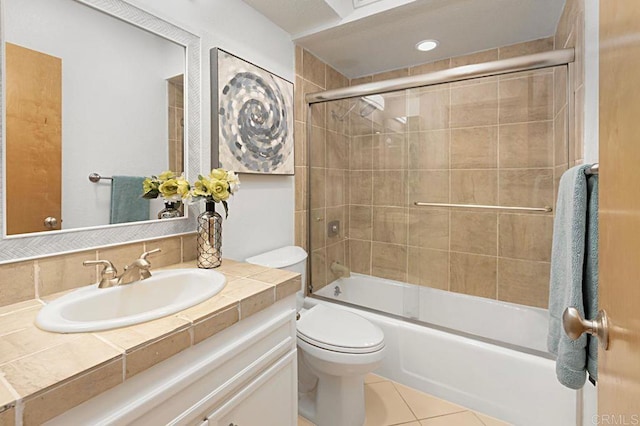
pixel 148 253
pixel 108 266
pixel 108 275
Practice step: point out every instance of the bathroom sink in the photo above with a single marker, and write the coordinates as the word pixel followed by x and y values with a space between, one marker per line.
pixel 166 292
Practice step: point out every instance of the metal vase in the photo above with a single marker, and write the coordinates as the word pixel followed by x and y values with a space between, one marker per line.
pixel 209 238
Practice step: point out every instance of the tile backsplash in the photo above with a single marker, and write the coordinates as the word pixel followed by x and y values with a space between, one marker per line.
pixel 42 277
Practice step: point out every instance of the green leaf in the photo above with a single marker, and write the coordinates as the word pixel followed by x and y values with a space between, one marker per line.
pixel 226 209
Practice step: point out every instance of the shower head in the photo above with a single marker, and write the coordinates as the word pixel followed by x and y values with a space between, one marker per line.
pixel 370 104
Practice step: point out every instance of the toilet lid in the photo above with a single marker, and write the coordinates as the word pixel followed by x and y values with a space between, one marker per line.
pixel 339 330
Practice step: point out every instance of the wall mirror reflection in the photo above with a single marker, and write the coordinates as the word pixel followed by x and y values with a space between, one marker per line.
pixel 92 94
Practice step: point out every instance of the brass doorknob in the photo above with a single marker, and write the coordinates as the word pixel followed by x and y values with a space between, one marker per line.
pixel 574 325
pixel 50 222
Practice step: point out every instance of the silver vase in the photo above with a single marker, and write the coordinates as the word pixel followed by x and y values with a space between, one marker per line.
pixel 209 238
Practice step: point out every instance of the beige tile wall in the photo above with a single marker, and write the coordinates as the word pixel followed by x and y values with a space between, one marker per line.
pixel 496 140
pixel 42 277
pixel 488 141
pixel 570 33
pixel 329 157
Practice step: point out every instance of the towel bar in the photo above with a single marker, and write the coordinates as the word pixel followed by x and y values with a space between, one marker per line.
pixel 545 209
pixel 95 177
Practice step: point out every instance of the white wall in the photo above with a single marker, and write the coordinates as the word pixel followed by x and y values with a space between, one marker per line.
pixel 261 214
pixel 114 97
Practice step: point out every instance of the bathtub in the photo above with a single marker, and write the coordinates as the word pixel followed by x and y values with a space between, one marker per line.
pixel 483 354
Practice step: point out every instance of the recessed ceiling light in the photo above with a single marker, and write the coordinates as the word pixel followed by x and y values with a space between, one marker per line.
pixel 426 45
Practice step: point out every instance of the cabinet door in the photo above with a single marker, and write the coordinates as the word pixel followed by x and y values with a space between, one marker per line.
pixel 270 400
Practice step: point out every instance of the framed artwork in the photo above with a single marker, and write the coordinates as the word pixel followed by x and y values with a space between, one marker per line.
pixel 252 117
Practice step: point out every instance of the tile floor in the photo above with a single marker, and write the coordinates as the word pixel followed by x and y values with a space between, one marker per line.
pixel 389 403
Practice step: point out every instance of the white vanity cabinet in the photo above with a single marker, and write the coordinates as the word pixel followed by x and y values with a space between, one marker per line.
pixel 243 376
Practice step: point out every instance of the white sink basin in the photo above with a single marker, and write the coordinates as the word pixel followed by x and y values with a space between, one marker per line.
pixel 166 292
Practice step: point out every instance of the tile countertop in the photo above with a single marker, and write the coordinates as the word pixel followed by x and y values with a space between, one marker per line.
pixel 47 373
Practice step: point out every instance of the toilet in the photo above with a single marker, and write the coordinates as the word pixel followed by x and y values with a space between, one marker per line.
pixel 336 349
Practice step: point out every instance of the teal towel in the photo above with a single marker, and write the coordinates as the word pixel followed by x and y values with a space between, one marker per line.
pixel 574 274
pixel 127 204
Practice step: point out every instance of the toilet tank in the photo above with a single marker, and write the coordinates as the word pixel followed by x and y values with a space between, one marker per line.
pixel 291 258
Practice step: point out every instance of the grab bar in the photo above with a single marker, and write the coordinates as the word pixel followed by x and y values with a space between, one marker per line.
pixel 545 209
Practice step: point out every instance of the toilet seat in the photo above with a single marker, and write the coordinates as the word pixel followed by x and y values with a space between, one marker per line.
pixel 339 331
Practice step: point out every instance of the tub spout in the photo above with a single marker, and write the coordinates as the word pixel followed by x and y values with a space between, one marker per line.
pixel 340 270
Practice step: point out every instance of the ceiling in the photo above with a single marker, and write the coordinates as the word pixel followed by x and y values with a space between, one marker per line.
pixel 363 37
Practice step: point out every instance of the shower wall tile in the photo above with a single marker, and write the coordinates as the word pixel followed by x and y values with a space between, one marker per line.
pixel 474 105
pixel 490 141
pixel 313 69
pixel 475 58
pixel 389 188
pixel 559 89
pixel 318 229
pixel 428 186
pixel 319 268
pixel 337 120
pixel 300 181
pixel 388 75
pixel 389 261
pixel 336 191
pixel 360 222
pixel 300 143
pixel 335 80
pixel 526 98
pixel 526 187
pixel 359 125
pixel 429 268
pixel 361 187
pixel 361 152
pixel 430 67
pixel 474 148
pixel 526 48
pixel 525 145
pixel 428 150
pixel 474 187
pixel 337 151
pixel 523 282
pixel 473 274
pixel 429 228
pixel 360 256
pixel 318 188
pixel 428 110
pixel 561 138
pixel 526 237
pixel 390 225
pixel 474 232
pixel 300 227
pixel 317 147
pixel 389 151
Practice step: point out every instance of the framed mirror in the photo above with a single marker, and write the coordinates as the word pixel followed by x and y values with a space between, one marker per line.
pixel 91 86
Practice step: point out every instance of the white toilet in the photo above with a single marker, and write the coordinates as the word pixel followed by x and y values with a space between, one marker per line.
pixel 336 349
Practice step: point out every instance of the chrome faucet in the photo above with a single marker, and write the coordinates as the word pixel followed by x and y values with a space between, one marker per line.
pixel 138 270
pixel 340 270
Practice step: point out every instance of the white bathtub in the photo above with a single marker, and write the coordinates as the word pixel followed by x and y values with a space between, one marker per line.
pixel 503 372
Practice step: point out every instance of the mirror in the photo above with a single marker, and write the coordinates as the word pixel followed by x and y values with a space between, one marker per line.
pixel 117 93
pixel 91 94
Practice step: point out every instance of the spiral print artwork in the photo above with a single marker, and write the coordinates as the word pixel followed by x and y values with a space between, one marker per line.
pixel 255 118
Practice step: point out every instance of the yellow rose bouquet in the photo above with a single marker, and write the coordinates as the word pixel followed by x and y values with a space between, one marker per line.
pixel 217 187
pixel 168 185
